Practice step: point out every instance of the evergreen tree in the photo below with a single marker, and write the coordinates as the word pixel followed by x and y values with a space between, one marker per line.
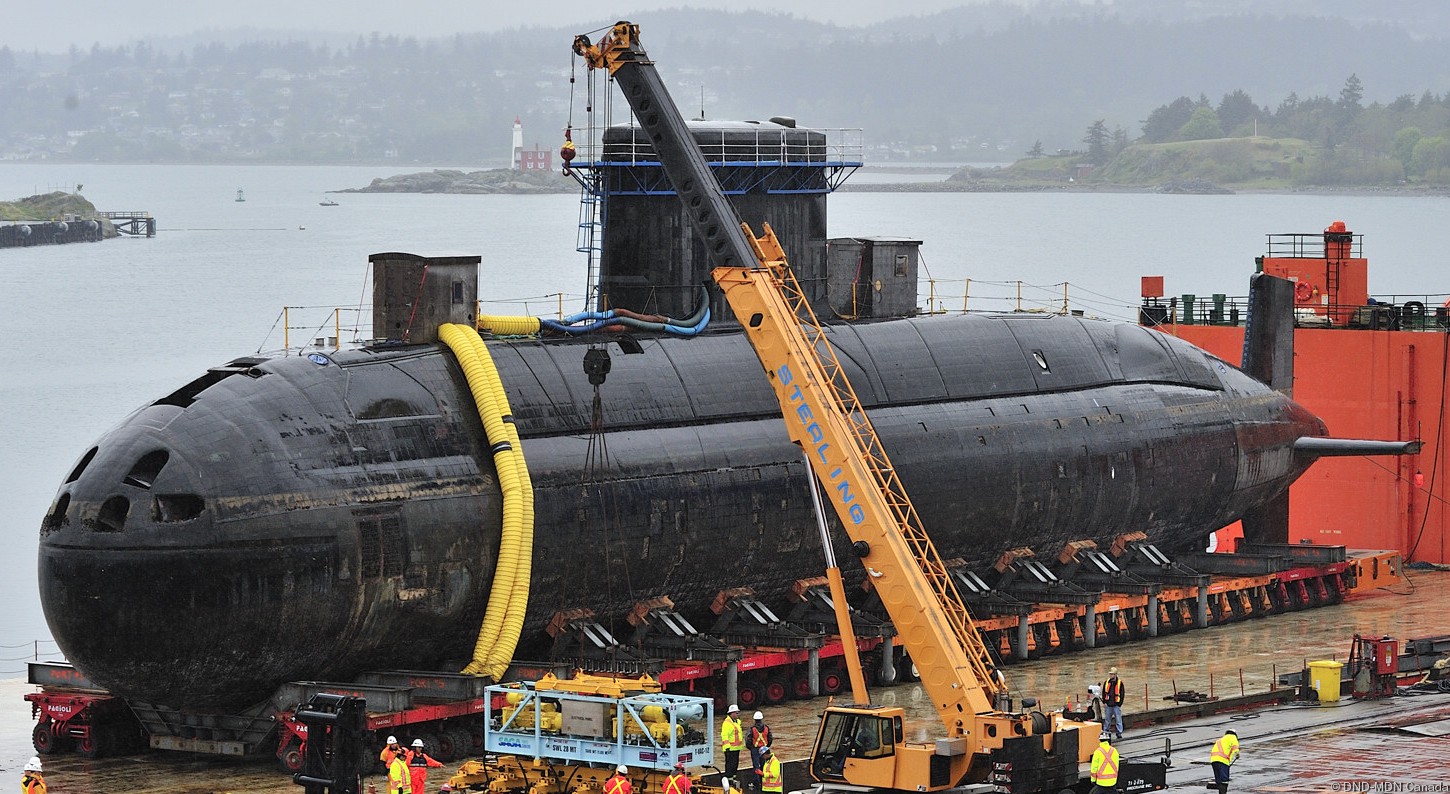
pixel 1203 126
pixel 1163 123
pixel 1036 150
pixel 1097 142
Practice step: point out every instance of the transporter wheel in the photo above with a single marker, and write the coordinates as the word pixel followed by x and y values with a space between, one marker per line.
pixel 750 695
pixel 291 759
pixel 453 744
pixel 833 680
pixel 44 738
pixel 91 746
pixel 777 690
pixel 800 686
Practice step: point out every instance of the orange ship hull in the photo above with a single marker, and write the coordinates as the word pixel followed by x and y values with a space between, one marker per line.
pixel 1365 381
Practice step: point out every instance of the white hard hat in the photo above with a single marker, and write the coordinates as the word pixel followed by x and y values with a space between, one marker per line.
pixel 392 740
pixel 759 716
pixel 733 708
pixel 1103 737
pixel 417 742
pixel 33 765
pixel 622 769
pixel 765 751
pixel 1112 671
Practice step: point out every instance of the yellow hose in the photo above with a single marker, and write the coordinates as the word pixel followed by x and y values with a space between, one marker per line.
pixel 508 326
pixel 521 558
pixel 508 596
pixel 513 626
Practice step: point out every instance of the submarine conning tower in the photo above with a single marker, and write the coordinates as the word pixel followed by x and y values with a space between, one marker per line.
pixel 413 294
pixel 772 171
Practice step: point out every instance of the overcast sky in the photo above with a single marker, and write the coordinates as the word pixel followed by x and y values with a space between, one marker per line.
pixel 54 27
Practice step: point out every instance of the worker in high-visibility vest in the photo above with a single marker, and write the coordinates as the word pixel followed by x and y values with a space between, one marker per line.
pixel 619 784
pixel 732 741
pixel 400 781
pixel 770 779
pixel 1113 697
pixel 1225 752
pixel 759 736
pixel 32 782
pixel 1105 761
pixel 678 782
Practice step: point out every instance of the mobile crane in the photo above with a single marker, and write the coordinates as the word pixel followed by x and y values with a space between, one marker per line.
pixel 988 746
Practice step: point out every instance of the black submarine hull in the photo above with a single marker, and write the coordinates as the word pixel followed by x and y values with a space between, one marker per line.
pixel 315 517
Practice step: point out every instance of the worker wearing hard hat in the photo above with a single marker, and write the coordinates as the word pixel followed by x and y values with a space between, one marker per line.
pixel 32 782
pixel 399 781
pixel 1225 752
pixel 419 763
pixel 732 741
pixel 619 783
pixel 770 779
pixel 391 750
pixel 758 738
pixel 678 782
pixel 1104 767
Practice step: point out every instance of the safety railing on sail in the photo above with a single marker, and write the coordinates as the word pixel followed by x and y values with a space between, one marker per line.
pixel 736 144
pixel 309 329
pixel 1380 313
pixel 964 296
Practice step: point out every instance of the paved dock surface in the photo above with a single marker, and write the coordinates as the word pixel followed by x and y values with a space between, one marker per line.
pixel 1396 745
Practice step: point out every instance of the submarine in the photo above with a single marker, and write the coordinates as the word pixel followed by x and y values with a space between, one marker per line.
pixel 317 516
pixel 314 517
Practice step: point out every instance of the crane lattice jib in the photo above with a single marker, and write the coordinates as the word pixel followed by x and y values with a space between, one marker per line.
pixel 906 569
pixel 848 458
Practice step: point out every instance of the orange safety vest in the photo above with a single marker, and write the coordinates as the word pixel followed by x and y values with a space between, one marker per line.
pixel 770 775
pixel 1113 692
pixel 678 783
pixel 619 784
pixel 1225 750
pixel 760 736
pixel 731 737
pixel 1105 766
pixel 32 783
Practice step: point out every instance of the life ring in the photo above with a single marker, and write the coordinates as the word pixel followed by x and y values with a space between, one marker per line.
pixel 1303 291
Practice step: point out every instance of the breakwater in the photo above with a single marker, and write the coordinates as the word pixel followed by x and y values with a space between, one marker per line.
pixel 19 234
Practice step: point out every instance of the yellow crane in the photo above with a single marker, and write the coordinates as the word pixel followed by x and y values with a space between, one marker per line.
pixel 986 743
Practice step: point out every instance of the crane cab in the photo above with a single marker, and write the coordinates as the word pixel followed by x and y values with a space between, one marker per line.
pixel 865 746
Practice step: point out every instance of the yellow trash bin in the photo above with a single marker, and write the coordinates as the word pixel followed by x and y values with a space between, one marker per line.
pixel 1324 677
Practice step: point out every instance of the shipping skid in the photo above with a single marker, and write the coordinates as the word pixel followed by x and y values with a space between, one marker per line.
pixel 1140 594
pixel 1026 608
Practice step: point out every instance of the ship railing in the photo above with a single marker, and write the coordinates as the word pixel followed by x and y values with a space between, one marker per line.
pixel 123 214
pixel 1340 245
pixel 1381 312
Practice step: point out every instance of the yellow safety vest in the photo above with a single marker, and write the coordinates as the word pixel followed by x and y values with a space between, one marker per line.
pixel 1225 750
pixel 398 777
pixel 770 774
pixel 731 736
pixel 1105 765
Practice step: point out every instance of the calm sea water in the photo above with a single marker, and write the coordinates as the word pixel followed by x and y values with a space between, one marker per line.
pixel 97 330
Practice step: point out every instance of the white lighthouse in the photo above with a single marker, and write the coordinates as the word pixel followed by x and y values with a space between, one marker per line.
pixel 518 150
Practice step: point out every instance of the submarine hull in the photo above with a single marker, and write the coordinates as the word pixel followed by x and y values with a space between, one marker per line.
pixel 317 517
